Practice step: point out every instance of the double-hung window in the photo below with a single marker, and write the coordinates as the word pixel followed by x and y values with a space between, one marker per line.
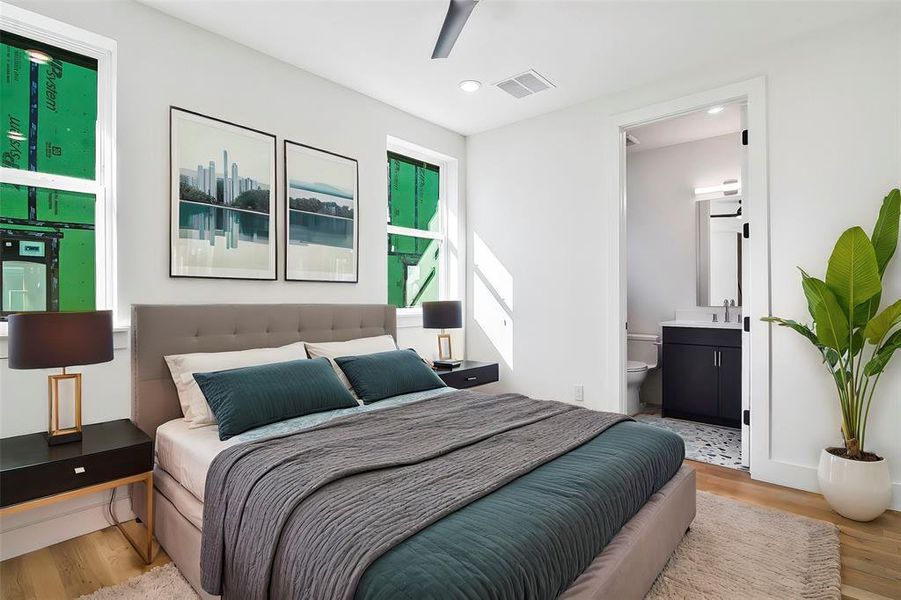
pixel 57 177
pixel 417 236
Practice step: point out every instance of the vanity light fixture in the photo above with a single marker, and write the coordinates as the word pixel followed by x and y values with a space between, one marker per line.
pixel 38 57
pixel 470 85
pixel 715 110
pixel 727 187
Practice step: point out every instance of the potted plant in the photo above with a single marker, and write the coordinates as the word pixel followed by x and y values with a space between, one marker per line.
pixel 856 342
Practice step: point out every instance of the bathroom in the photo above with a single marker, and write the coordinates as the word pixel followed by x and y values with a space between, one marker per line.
pixel 686 253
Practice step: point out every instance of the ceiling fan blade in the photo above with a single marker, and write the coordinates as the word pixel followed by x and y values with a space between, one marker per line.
pixel 457 13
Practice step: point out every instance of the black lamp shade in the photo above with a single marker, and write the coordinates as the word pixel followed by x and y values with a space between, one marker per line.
pixel 443 314
pixel 46 340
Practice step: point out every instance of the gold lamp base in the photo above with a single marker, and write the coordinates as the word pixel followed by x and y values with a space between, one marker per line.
pixel 56 435
pixel 445 351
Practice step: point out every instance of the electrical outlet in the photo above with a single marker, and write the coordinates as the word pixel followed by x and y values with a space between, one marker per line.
pixel 579 393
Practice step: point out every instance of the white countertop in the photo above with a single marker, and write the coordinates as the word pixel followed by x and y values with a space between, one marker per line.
pixel 702 324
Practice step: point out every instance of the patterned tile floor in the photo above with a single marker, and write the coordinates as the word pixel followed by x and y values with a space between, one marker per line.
pixel 705 443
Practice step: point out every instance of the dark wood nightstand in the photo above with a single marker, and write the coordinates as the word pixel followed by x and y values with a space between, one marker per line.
pixel 469 374
pixel 109 455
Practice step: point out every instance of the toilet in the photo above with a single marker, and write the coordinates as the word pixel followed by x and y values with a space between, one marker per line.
pixel 643 356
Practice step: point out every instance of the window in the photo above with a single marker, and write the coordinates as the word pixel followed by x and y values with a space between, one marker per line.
pixel 56 181
pixel 416 231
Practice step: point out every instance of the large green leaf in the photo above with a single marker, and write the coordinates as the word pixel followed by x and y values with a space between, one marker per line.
pixel 811 299
pixel 866 311
pixel 852 273
pixel 831 323
pixel 882 323
pixel 856 342
pixel 799 327
pixel 883 355
pixel 885 233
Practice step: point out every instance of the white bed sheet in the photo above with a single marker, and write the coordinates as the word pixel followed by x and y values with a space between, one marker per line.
pixel 186 454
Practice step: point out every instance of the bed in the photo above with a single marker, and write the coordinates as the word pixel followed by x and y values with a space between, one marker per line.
pixel 635 537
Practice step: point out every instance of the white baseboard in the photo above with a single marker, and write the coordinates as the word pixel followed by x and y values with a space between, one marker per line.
pixel 31 530
pixel 802 477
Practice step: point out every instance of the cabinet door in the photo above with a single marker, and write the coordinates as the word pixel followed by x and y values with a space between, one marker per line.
pixel 730 383
pixel 689 379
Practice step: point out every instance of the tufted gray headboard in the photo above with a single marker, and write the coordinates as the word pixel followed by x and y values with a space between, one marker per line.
pixel 158 330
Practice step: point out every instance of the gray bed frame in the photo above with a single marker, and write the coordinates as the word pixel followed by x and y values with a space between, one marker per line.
pixel 625 569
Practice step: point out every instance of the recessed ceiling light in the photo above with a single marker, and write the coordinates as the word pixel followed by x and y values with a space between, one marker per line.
pixel 36 56
pixel 715 110
pixel 15 136
pixel 470 85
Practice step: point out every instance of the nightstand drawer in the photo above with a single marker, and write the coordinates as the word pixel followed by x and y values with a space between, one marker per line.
pixel 471 377
pixel 68 468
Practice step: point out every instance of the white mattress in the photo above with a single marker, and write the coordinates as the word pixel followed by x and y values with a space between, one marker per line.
pixel 186 454
pixel 184 501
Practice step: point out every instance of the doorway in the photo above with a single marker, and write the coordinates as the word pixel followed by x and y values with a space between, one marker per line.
pixel 726 260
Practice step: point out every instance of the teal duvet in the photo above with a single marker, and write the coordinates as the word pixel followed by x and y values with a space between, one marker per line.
pixel 533 537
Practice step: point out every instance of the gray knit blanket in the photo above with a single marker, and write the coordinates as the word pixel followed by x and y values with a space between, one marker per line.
pixel 304 515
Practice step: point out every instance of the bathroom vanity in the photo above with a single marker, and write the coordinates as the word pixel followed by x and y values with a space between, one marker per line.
pixel 702 371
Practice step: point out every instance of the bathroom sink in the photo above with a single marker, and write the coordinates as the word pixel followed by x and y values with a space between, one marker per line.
pixel 707 324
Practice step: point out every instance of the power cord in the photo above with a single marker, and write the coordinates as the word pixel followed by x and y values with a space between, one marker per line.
pixel 111 516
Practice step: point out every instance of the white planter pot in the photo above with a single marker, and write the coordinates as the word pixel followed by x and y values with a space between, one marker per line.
pixel 855 489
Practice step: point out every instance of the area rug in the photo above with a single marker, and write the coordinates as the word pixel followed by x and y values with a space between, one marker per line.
pixel 733 551
pixel 740 551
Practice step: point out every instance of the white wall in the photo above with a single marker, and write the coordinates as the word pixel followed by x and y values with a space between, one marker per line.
pixel 537 189
pixel 661 231
pixel 163 61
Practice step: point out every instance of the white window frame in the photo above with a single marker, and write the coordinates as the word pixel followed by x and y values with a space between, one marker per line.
pixel 447 204
pixel 56 33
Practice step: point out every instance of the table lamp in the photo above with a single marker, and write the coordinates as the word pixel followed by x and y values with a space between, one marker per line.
pixel 48 340
pixel 443 314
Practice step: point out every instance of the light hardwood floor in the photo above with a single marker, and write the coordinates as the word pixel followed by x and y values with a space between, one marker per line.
pixel 871 552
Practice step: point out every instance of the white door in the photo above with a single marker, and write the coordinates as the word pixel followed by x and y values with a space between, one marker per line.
pixel 745 336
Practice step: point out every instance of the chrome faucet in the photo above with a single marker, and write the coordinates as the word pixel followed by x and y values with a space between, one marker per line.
pixel 726 310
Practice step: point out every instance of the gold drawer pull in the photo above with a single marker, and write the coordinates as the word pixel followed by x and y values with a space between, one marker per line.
pixel 79 470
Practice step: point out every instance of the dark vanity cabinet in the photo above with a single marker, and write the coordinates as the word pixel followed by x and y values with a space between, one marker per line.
pixel 702 374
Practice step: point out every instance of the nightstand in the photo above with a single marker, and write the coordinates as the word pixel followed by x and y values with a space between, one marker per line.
pixel 469 374
pixel 109 455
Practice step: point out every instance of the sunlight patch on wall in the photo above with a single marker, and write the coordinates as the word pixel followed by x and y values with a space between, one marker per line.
pixel 494 273
pixel 493 299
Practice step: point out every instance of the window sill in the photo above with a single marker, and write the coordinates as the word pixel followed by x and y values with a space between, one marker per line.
pixel 409 317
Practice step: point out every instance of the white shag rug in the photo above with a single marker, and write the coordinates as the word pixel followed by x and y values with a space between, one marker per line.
pixel 733 551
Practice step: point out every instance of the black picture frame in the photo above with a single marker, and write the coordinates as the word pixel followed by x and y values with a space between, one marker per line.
pixel 174 179
pixel 356 205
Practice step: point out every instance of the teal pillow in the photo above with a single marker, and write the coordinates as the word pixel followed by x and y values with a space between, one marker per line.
pixel 385 374
pixel 250 397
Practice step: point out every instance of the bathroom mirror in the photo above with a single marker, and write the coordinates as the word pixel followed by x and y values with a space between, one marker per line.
pixel 719 231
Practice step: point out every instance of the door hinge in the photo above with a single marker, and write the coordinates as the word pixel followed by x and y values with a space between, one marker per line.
pixel 747 324
pixel 744 137
pixel 746 231
pixel 746 417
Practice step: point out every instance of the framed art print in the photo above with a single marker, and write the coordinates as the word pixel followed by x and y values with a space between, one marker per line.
pixel 322 231
pixel 222 199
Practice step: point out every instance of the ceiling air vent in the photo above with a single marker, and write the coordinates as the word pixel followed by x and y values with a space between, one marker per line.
pixel 525 84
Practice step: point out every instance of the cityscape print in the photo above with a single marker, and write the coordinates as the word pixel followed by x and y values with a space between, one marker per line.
pixel 222 217
pixel 321 211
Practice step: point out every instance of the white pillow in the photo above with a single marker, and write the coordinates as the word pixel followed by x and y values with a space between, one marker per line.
pixel 357 347
pixel 183 366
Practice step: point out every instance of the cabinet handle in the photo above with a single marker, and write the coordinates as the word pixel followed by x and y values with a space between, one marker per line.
pixel 719 358
pixel 714 359
pixel 471 378
pixel 79 470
